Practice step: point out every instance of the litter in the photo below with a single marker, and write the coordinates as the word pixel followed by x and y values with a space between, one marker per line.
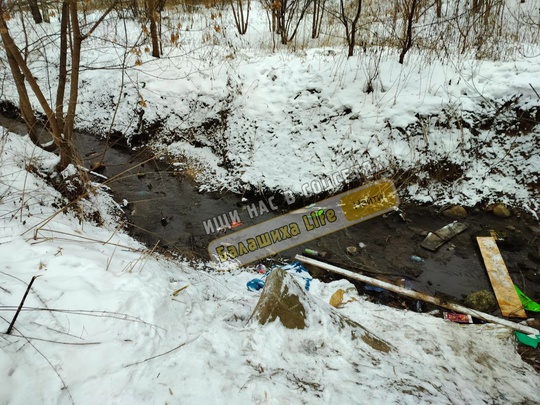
pixel 336 300
pixel 457 318
pixel 434 240
pixel 295 268
pixel 499 236
pixel 417 259
pixel 528 304
pixel 528 340
pixel 419 296
pixel 315 253
pixel 255 285
pixel 298 270
pixel 372 288
pixel 261 268
pixel 502 284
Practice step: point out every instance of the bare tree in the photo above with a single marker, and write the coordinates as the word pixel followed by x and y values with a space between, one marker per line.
pixel 153 15
pixel 287 16
pixel 438 8
pixel 477 6
pixel 410 10
pixel 318 13
pixel 241 18
pixel 349 14
pixel 34 9
pixel 60 124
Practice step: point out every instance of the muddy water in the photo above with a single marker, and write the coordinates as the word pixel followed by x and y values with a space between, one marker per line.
pixel 164 207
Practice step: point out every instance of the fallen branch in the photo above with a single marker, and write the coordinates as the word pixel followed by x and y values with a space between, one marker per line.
pixel 419 296
pixel 84 238
pixel 86 312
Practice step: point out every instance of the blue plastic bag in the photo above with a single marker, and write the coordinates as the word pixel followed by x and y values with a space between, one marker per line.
pixel 255 285
pixel 295 268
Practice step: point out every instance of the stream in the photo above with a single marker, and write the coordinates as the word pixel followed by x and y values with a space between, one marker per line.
pixel 164 207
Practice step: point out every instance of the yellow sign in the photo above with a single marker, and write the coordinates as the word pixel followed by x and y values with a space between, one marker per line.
pixel 300 226
pixel 368 201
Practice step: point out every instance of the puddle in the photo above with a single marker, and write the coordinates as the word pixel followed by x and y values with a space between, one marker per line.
pixel 458 277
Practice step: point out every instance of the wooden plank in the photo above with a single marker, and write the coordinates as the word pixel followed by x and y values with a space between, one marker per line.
pixel 419 296
pixel 436 239
pixel 500 279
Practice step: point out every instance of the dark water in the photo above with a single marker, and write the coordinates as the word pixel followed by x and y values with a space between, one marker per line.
pixel 164 207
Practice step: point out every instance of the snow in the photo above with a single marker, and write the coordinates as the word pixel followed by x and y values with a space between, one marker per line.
pixel 240 109
pixel 108 321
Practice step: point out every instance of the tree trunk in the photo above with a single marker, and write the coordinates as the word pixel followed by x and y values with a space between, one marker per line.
pixel 407 44
pixel 154 35
pixel 318 13
pixel 153 16
pixel 241 20
pixel 61 129
pixel 62 67
pixel 67 150
pixel 20 68
pixel 350 24
pixel 27 112
pixel 34 9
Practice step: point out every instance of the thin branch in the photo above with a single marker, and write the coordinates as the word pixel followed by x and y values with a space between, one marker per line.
pixel 107 242
pixel 99 21
pixel 87 312
pixel 163 354
pixel 535 92
pixel 12 324
pixel 58 341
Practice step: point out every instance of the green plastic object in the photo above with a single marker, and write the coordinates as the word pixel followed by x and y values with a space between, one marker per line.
pixel 527 303
pixel 528 339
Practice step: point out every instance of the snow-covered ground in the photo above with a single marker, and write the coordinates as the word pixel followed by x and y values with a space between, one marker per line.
pixel 106 322
pixel 109 322
pixel 246 113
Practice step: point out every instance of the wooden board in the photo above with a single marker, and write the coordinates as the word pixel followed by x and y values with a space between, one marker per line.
pixel 436 239
pixel 500 279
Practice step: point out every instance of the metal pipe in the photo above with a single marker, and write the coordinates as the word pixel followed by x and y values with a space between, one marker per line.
pixel 418 295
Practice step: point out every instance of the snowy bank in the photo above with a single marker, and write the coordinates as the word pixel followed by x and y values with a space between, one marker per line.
pixel 245 115
pixel 108 322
